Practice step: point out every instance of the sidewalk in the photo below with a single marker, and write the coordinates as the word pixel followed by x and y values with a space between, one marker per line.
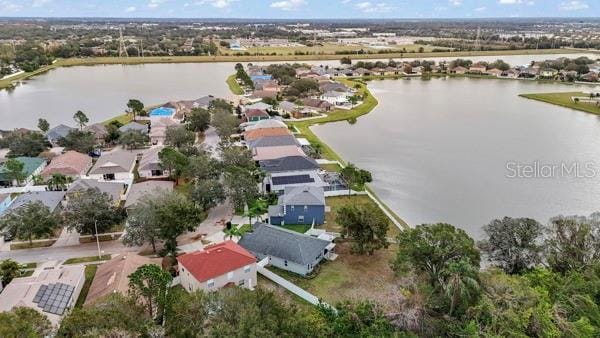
pixel 67 238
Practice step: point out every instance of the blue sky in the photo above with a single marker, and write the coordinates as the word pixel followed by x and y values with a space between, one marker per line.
pixel 301 9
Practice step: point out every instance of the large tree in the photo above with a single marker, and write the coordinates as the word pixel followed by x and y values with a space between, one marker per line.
pixel 198 120
pixel 80 141
pixel 225 125
pixel 188 314
pixel 240 186
pixel 173 161
pixel 20 143
pixel 91 208
pixel 43 125
pixel 208 193
pixel 431 249
pixel 81 119
pixel 142 224
pixel 179 137
pixel 365 225
pixel 24 322
pixel 15 170
pixel 9 270
pixel 30 221
pixel 572 243
pixel 357 319
pixel 135 108
pixel 133 139
pixel 149 285
pixel 513 244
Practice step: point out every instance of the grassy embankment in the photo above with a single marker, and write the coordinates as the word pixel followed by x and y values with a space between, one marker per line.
pixel 234 86
pixel 564 100
pixel 253 58
pixel 90 272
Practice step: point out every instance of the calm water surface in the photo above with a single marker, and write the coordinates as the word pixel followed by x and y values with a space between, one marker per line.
pixel 439 150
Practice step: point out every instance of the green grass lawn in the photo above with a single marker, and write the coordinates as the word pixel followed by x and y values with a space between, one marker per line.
pixel 89 259
pixel 38 244
pixel 123 119
pixel 90 272
pixel 301 228
pixel 335 203
pixel 334 167
pixel 564 100
pixel 234 86
pixel 29 266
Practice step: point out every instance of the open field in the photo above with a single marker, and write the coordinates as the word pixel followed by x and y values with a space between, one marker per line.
pixel 330 49
pixel 353 277
pixel 564 100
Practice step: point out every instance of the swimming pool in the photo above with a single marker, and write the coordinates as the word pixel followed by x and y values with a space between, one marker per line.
pixel 162 111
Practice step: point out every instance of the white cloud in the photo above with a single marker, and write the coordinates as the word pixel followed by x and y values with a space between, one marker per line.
pixel 480 9
pixel 573 5
pixel 40 3
pixel 130 9
pixel 288 5
pixel 344 2
pixel 455 3
pixel 509 2
pixel 369 7
pixel 9 6
pixel 155 3
pixel 214 3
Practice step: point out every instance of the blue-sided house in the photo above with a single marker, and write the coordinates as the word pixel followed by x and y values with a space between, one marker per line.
pixel 299 205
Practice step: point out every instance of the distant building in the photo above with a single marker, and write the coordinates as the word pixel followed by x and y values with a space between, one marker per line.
pixel 55 134
pixel 217 266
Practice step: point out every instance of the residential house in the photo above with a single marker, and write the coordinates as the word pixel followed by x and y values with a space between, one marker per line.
pixel 335 98
pixel 361 72
pixel 511 73
pixel 147 188
pixel 113 276
pixel 304 112
pixel 477 68
pixel 254 115
pixel 328 86
pixel 266 124
pixel 299 205
pixel 32 166
pixel 262 94
pixel 318 104
pixel 253 134
pixel 270 85
pixel 203 102
pixel 217 266
pixel 590 77
pixel 286 249
pixel 258 105
pixel 287 107
pixel 99 131
pixel 272 141
pixel 378 71
pixel 113 189
pixel 391 71
pixel 528 73
pixel 494 72
pixel 51 199
pixel 290 171
pixel 142 128
pixel 55 134
pixel 52 292
pixel 548 73
pixel 459 70
pixel 116 165
pixel 5 201
pixel 158 129
pixel 71 164
pixel 150 166
pixel 270 153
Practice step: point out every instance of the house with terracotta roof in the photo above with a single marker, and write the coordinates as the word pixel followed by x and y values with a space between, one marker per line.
pixel 112 276
pixel 265 132
pixel 71 164
pixel 217 266
pixel 459 70
pixel 477 68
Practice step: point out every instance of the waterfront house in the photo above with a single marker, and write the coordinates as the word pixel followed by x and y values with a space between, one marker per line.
pixel 266 124
pixel 318 104
pixel 290 171
pixel 459 70
pixel 254 115
pixel 494 72
pixel 142 128
pixel 253 134
pixel 148 188
pixel 55 134
pixel 71 164
pixel 361 72
pixel 269 153
pixel 158 129
pixel 262 94
pixel 590 77
pixel 286 249
pixel 113 276
pixel 548 73
pixel 203 102
pixel 335 98
pixel 273 141
pixel 258 105
pixel 52 292
pixel 477 68
pixel 114 190
pixel 511 73
pixel 328 86
pixel 32 166
pixel 299 205
pixel 217 266
pixel 51 199
pixel 150 166
pixel 116 165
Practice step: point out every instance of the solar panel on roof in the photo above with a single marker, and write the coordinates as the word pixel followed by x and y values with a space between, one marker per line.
pixel 296 179
pixel 54 298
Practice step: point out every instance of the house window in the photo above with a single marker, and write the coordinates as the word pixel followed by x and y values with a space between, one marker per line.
pixel 285 262
pixel 247 268
pixel 210 283
pixel 157 173
pixel 109 177
pixel 230 275
pixel 300 219
pixel 305 208
pixel 292 208
pixel 242 282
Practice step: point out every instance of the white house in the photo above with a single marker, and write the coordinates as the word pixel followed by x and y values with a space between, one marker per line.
pixel 335 98
pixel 117 165
pixel 150 166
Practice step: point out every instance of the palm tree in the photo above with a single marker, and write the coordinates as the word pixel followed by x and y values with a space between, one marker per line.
pixel 256 208
pixel 232 231
pixel 58 182
pixel 461 285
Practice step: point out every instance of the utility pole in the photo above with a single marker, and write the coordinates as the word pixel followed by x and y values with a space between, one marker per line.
pixel 122 49
pixel 97 239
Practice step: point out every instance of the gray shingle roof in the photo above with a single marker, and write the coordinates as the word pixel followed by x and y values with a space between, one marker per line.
pixel 273 141
pixel 117 161
pixel 58 132
pixel 289 163
pixel 113 189
pixel 50 199
pixel 282 243
pixel 143 128
pixel 150 159
pixel 139 190
pixel 303 196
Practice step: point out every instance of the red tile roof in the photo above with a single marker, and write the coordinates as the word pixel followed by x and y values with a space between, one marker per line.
pixel 70 163
pixel 216 260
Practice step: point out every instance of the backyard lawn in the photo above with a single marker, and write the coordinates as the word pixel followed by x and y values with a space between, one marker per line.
pixel 335 203
pixel 353 277
pixel 333 167
pixel 234 86
pixel 564 100
pixel 301 228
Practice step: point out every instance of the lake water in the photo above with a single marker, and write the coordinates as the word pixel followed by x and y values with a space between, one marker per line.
pixel 445 150
pixel 103 91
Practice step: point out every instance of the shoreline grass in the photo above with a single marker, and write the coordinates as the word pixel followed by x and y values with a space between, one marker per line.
pixel 6 83
pixel 233 85
pixel 563 99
